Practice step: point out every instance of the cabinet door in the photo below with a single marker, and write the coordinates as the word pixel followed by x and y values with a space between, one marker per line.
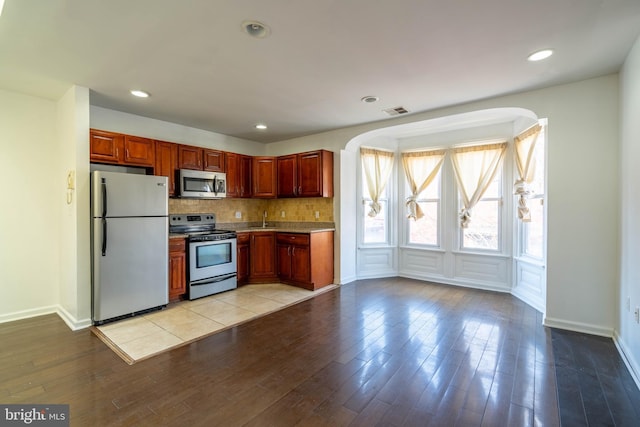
pixel 310 174
pixel 189 157
pixel 264 177
pixel 284 261
pixel 166 161
pixel 245 176
pixel 262 255
pixel 105 147
pixel 177 269
pixel 300 263
pixel 213 160
pixel 139 151
pixel 287 176
pixel 243 257
pixel 233 174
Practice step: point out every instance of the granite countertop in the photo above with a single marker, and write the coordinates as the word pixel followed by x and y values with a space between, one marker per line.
pixel 283 227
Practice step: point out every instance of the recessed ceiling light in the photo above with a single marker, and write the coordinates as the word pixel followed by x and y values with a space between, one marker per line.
pixel 540 55
pixel 140 93
pixel 261 126
pixel 369 99
pixel 256 29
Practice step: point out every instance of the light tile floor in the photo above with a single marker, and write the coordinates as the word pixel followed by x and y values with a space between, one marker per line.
pixel 180 323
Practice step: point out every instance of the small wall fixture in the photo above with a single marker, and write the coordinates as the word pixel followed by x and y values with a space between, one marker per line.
pixel 256 29
pixel 140 93
pixel 540 55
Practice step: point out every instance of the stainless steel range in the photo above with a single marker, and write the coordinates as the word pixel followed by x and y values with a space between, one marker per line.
pixel 211 254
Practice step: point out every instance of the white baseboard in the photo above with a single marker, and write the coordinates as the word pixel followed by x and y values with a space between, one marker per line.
pixel 632 365
pixel 529 299
pixel 348 279
pixel 73 323
pixel 461 283
pixel 26 314
pixel 578 327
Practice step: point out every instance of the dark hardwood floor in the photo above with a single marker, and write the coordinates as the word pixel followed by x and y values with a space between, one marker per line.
pixel 388 352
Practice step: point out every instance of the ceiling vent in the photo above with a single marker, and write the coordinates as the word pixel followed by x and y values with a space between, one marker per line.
pixel 396 111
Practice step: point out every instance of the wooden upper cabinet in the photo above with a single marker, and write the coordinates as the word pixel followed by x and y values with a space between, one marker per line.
pixel 139 151
pixel 307 174
pixel 189 157
pixel 116 148
pixel 213 160
pixel 105 147
pixel 288 176
pixel 264 177
pixel 315 174
pixel 166 161
pixel 238 169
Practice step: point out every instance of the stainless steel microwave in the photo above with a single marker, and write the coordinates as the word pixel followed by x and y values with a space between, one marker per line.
pixel 202 184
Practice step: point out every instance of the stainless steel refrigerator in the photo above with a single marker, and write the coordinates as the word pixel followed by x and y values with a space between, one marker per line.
pixel 129 233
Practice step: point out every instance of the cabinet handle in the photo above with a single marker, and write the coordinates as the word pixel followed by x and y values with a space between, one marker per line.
pixel 127 153
pixel 293 251
pixel 289 250
pixel 117 153
pixel 299 190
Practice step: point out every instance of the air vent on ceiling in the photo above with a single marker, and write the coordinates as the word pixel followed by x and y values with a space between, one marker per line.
pixel 396 111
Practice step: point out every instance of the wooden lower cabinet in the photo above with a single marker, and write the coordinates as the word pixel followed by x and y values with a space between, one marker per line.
pixel 262 257
pixel 177 268
pixel 305 259
pixel 243 259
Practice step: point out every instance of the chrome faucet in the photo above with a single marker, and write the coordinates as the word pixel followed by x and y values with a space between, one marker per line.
pixel 264 219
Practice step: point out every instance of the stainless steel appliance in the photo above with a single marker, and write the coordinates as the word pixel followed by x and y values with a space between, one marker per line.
pixel 129 233
pixel 202 184
pixel 211 254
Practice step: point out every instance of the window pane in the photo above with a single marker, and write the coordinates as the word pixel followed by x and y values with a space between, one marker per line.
pixel 432 191
pixel 425 230
pixel 482 232
pixel 375 228
pixel 533 231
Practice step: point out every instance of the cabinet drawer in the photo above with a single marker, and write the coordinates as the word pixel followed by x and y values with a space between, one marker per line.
pixel 243 238
pixel 177 245
pixel 297 238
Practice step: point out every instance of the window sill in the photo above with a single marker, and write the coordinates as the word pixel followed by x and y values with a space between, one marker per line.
pixel 530 261
pixel 482 253
pixel 380 246
pixel 422 248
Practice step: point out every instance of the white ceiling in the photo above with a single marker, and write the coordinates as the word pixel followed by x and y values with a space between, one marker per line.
pixel 322 56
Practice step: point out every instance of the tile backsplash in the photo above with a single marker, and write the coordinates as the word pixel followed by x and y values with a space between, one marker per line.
pixel 298 209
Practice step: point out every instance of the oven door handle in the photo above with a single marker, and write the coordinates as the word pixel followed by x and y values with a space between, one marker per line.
pixel 210 280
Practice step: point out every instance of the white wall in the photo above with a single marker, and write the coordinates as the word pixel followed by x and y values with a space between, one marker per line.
pixel 29 218
pixel 130 124
pixel 74 226
pixel 627 329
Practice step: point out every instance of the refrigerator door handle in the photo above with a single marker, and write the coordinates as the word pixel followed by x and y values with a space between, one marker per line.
pixel 104 236
pixel 104 198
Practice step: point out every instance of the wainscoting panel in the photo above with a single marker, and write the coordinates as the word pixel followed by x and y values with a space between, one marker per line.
pixel 530 283
pixel 484 269
pixel 421 262
pixel 376 262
